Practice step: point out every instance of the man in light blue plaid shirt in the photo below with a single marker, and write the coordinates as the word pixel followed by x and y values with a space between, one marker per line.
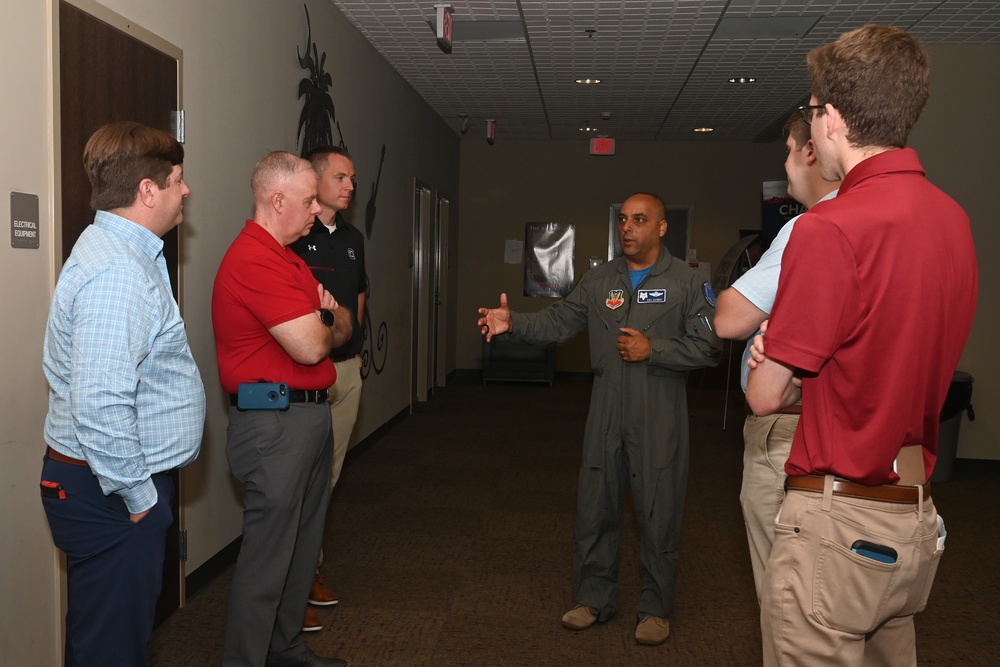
pixel 126 400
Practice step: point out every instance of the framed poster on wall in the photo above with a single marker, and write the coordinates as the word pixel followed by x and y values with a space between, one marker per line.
pixel 548 258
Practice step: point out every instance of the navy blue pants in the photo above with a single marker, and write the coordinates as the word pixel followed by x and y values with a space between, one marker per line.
pixel 114 566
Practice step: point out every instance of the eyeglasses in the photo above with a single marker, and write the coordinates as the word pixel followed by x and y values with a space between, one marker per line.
pixel 806 111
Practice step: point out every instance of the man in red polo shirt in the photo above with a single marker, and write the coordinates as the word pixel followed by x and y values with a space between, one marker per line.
pixel 875 302
pixel 275 323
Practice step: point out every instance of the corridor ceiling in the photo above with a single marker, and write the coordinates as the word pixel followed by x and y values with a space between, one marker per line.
pixel 664 67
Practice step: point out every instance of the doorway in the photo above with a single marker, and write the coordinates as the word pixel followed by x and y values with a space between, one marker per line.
pixel 440 319
pixel 423 285
pixel 112 70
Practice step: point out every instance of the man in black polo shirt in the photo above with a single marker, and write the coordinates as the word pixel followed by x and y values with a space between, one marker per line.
pixel 334 250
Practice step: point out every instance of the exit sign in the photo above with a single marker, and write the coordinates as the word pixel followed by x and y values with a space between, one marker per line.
pixel 444 27
pixel 602 146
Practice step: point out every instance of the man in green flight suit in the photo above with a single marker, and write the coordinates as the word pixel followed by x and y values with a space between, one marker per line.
pixel 649 318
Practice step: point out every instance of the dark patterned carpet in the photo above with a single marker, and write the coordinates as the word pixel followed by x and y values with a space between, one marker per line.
pixel 450 536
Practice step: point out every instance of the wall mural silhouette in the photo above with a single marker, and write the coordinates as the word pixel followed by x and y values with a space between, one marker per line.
pixel 318 111
pixel 315 129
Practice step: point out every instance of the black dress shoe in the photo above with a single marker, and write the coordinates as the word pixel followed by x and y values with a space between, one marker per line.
pixel 306 659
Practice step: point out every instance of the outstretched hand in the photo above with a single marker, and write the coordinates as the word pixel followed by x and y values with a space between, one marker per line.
pixel 495 321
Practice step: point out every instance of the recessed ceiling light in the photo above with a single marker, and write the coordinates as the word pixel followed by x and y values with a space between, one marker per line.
pixel 742 79
pixel 704 129
pixel 588 82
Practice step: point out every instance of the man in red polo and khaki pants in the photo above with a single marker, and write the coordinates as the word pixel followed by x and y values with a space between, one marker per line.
pixel 874 305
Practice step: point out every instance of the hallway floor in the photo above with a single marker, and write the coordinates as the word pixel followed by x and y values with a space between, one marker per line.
pixel 449 542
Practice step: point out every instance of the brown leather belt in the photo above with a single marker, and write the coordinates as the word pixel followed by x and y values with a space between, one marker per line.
pixel 888 493
pixel 793 409
pixel 62 458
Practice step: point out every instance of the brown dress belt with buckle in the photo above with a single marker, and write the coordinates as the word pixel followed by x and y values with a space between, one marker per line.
pixel 296 396
pixel 793 409
pixel 62 458
pixel 888 493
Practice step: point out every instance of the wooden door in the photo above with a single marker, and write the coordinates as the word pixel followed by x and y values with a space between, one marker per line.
pixel 107 75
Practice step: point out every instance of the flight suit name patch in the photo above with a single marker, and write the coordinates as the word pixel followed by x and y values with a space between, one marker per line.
pixel 652 296
pixel 616 299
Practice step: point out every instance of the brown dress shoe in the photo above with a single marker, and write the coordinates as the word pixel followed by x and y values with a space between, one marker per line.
pixel 311 623
pixel 320 595
pixel 579 618
pixel 652 630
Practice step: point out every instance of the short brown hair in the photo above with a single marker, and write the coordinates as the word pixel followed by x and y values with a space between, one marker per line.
pixel 798 129
pixel 319 157
pixel 878 78
pixel 119 156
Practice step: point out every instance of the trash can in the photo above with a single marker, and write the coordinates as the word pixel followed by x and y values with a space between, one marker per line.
pixel 958 400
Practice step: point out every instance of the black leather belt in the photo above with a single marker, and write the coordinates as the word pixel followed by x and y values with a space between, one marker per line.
pixel 887 493
pixel 297 396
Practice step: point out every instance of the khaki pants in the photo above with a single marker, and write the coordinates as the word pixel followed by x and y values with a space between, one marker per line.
pixel 825 605
pixel 768 441
pixel 345 397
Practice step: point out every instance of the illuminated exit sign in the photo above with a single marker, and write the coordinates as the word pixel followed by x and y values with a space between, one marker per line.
pixel 602 146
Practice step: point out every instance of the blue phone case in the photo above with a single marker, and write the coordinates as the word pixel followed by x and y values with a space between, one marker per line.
pixel 262 396
pixel 877 552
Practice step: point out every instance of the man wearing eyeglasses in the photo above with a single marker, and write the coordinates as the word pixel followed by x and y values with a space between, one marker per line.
pixel 875 302
pixel 740 311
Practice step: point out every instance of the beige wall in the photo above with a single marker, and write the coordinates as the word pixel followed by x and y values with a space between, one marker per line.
pixel 29 579
pixel 958 147
pixel 240 81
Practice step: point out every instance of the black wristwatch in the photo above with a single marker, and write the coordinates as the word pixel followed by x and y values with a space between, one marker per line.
pixel 326 316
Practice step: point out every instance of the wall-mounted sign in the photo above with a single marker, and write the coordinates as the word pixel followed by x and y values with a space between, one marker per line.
pixel 444 27
pixel 778 207
pixel 602 146
pixel 23 220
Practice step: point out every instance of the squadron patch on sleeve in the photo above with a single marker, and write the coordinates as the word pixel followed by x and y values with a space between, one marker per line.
pixel 709 293
pixel 615 299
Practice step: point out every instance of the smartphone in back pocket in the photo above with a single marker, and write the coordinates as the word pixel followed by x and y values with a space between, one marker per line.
pixel 879 552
